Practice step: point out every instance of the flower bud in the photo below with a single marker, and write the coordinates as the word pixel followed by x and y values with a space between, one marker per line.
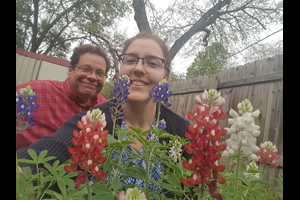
pixel 233 113
pixel 198 100
pixel 254 157
pixel 256 133
pixel 256 113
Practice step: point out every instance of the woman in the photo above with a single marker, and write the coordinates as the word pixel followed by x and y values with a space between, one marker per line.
pixel 146 61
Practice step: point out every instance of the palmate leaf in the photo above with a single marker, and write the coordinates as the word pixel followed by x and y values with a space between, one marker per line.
pixel 173 180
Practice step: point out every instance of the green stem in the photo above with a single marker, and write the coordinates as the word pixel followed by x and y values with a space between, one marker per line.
pixel 88 186
pixel 116 172
pixel 202 188
pixel 158 114
pixel 237 169
pixel 147 178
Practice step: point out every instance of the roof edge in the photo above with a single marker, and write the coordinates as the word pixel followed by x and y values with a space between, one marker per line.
pixel 50 59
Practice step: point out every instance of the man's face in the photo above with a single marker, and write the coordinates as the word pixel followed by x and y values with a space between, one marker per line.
pixel 84 84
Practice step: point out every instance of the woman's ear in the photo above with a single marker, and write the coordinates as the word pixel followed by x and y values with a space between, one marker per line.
pixel 167 78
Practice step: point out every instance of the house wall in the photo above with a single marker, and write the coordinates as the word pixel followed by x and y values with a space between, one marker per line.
pixel 33 66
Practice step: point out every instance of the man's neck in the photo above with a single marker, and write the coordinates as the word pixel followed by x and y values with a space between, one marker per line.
pixel 82 102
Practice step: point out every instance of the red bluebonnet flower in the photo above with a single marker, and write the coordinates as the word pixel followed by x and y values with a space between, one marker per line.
pixel 268 153
pixel 206 136
pixel 89 144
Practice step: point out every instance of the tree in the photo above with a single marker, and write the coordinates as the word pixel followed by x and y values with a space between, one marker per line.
pixel 262 51
pixel 211 60
pixel 193 22
pixel 49 26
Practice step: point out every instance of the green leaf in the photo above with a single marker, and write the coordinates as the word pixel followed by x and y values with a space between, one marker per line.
pixel 48 178
pixel 244 166
pixel 167 135
pixel 62 186
pixel 20 184
pixel 48 159
pixel 100 189
pixel 169 187
pixel 253 171
pixel 51 169
pixel 32 154
pixel 110 139
pixel 103 197
pixel 69 182
pixel 279 181
pixel 278 191
pixel 42 155
pixel 55 164
pixel 52 193
pixel 122 134
pixel 22 160
pixel 174 180
pixel 70 175
pixel 116 183
pixel 259 181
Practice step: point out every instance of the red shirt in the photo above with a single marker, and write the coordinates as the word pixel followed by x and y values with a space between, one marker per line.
pixel 57 104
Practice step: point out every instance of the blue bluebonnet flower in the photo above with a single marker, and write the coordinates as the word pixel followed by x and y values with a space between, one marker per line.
pixel 25 106
pixel 161 92
pixel 120 92
pixel 162 125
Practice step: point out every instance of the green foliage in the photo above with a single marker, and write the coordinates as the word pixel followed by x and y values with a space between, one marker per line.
pixel 109 86
pixel 45 177
pixel 57 24
pixel 209 61
pixel 176 76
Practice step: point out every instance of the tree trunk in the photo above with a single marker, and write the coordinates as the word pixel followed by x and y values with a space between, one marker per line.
pixel 140 15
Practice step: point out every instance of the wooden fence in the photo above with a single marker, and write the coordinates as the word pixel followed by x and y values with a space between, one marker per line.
pixel 260 82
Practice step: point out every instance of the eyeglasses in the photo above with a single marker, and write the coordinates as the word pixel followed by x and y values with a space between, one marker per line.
pixel 151 62
pixel 87 70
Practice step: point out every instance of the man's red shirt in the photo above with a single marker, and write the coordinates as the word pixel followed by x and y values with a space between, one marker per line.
pixel 57 104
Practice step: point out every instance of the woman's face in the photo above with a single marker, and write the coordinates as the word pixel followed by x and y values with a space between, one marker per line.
pixel 142 81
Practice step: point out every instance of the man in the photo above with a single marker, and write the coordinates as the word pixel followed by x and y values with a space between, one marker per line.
pixel 60 100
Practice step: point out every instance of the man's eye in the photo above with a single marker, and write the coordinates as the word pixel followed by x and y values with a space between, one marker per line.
pixel 85 69
pixel 100 73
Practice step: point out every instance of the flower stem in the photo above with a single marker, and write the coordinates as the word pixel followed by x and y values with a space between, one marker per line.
pixel 202 188
pixel 87 186
pixel 117 170
pixel 158 114
pixel 237 169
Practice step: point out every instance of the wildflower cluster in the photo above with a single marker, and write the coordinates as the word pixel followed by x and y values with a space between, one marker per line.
pixel 175 150
pixel 252 165
pixel 268 153
pixel 25 106
pixel 243 131
pixel 120 92
pixel 205 136
pixel 132 194
pixel 161 92
pixel 88 147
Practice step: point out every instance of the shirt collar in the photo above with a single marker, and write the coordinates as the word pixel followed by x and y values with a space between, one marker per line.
pixel 70 94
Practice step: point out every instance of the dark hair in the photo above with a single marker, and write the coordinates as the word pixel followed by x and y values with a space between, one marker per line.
pixel 160 42
pixel 87 48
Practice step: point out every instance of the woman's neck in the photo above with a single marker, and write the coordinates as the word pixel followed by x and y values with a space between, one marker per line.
pixel 139 114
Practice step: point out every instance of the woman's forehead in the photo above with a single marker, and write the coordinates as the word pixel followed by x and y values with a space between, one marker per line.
pixel 145 47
